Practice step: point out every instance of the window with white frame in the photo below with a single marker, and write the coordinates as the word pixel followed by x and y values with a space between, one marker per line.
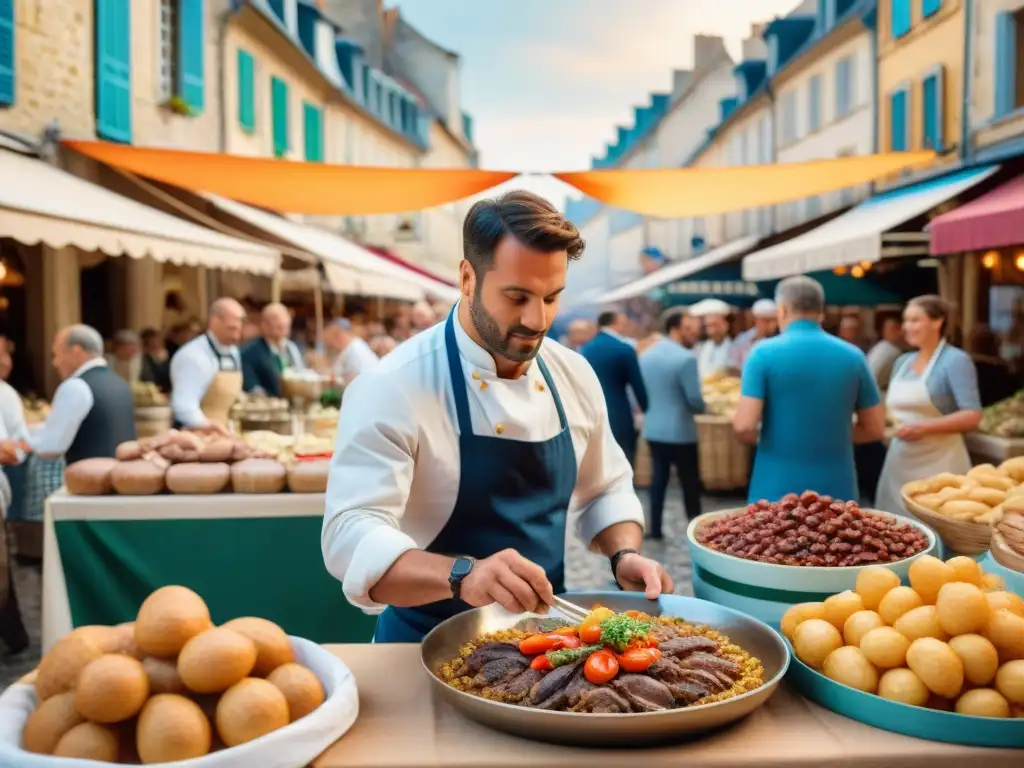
pixel 814 104
pixel 1009 62
pixel 789 128
pixel 844 88
pixel 169 36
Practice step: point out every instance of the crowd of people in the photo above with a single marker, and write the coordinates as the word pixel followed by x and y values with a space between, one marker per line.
pixel 816 392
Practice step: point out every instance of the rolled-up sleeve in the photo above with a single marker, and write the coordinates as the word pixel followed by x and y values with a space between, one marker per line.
pixel 604 492
pixel 368 487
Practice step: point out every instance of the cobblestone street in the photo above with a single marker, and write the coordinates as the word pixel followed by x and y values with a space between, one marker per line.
pixel 586 571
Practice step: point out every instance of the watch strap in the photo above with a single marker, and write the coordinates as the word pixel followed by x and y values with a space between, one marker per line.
pixel 614 561
pixel 457 574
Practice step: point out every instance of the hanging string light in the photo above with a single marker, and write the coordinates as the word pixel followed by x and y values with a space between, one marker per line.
pixel 990 260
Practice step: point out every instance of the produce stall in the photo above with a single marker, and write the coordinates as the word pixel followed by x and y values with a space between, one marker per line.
pixel 1000 435
pixel 247 554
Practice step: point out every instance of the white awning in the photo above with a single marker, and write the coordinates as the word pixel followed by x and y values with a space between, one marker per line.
pixel 349 267
pixel 858 234
pixel 41 203
pixel 678 271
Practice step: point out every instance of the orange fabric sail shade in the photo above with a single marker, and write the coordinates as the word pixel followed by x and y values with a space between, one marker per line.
pixel 281 185
pixel 682 192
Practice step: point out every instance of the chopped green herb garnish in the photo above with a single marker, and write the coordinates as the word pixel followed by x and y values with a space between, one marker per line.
pixel 550 625
pixel 620 630
pixel 565 656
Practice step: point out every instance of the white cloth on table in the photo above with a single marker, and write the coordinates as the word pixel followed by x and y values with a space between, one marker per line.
pixel 395 472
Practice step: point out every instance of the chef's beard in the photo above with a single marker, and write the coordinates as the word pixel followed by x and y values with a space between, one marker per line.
pixel 499 342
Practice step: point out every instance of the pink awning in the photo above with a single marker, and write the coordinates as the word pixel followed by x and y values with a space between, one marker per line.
pixel 994 220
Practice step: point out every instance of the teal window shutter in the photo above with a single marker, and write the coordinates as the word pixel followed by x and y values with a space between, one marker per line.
pixel 1006 63
pixel 246 91
pixel 930 7
pixel 313 120
pixel 814 104
pixel 898 121
pixel 932 106
pixel 6 51
pixel 900 18
pixel 113 70
pixel 279 110
pixel 191 52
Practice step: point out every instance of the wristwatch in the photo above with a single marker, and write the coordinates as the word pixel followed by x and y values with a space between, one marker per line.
pixel 614 560
pixel 461 568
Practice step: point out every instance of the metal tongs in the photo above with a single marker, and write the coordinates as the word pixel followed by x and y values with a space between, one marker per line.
pixel 570 611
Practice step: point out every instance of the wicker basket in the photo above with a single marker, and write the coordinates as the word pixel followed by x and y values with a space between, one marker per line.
pixel 1003 554
pixel 958 536
pixel 152 420
pixel 642 470
pixel 724 460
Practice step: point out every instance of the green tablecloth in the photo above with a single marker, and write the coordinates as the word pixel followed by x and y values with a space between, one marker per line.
pixel 246 555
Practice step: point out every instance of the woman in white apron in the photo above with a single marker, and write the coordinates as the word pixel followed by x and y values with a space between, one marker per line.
pixel 933 398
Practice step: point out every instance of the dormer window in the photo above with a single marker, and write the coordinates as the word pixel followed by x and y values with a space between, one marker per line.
pixel 741 86
pixel 773 54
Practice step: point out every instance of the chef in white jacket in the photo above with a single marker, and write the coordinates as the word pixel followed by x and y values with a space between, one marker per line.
pixel 714 354
pixel 461 458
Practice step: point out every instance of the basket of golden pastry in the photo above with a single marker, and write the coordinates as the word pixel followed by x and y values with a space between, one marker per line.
pixel 1008 537
pixel 964 509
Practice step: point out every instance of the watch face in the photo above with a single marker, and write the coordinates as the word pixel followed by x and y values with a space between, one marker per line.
pixel 461 568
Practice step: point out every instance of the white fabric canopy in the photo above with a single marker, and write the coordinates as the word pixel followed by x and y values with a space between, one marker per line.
pixel 678 271
pixel 349 267
pixel 41 203
pixel 857 235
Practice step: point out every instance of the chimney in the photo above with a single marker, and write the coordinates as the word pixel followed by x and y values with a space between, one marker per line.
pixel 681 79
pixel 708 52
pixel 754 47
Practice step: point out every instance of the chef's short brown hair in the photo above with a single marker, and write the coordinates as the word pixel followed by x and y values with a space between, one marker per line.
pixel 527 217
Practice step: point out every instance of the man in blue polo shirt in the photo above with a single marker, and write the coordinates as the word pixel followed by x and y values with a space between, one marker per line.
pixel 813 396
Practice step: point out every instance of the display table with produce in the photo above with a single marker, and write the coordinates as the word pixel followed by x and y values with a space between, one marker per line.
pixel 401 725
pixel 247 554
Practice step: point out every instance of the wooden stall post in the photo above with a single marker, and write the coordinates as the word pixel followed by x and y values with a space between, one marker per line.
pixel 969 301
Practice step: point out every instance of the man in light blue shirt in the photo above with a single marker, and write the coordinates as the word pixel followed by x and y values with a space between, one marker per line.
pixel 673 396
pixel 804 388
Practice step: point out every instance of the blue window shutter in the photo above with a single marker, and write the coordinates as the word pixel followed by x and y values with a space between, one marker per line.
pixel 279 110
pixel 932 107
pixel 898 121
pixel 1006 64
pixel 313 118
pixel 246 91
pixel 900 18
pixel 191 52
pixel 113 70
pixel 814 104
pixel 930 7
pixel 6 51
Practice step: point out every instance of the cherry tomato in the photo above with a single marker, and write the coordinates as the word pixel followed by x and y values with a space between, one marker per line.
pixel 534 644
pixel 638 659
pixel 541 663
pixel 601 667
pixel 590 633
pixel 570 641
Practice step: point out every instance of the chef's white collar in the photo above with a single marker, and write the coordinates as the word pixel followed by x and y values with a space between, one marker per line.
pixel 221 348
pixel 96 362
pixel 474 354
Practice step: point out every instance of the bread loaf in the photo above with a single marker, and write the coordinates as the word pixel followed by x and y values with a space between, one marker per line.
pixel 137 478
pixel 198 478
pixel 129 451
pixel 258 476
pixel 217 449
pixel 90 477
pixel 309 476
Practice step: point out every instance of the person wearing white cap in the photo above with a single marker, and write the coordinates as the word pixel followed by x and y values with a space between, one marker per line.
pixel 714 353
pixel 766 325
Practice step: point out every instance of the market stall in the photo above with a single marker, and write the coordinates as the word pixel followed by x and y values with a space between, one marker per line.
pixel 247 554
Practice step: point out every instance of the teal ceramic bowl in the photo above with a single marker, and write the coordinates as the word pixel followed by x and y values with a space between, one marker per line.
pixel 902 718
pixel 802 580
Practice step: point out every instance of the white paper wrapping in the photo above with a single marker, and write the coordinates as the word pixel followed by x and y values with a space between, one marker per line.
pixel 294 745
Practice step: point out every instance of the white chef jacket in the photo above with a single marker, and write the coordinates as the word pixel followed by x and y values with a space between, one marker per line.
pixel 12 427
pixel 713 357
pixel 357 358
pixel 193 369
pixel 395 472
pixel 71 404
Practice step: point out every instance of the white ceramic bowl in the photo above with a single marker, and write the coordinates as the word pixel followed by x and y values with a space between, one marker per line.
pixel 790 578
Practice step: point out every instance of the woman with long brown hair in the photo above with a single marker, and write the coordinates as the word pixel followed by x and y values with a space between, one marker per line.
pixel 933 397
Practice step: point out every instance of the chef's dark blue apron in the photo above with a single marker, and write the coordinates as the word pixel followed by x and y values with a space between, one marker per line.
pixel 512 495
pixel 224 363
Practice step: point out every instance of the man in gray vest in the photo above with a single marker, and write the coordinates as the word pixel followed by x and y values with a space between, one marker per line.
pixel 93 410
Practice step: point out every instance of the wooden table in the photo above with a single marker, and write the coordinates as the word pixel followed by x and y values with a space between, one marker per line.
pixel 401 725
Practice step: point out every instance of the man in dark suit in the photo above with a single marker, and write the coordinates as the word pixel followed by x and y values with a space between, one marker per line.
pixel 268 356
pixel 614 360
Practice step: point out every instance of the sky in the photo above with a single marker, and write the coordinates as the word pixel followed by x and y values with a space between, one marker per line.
pixel 547 81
